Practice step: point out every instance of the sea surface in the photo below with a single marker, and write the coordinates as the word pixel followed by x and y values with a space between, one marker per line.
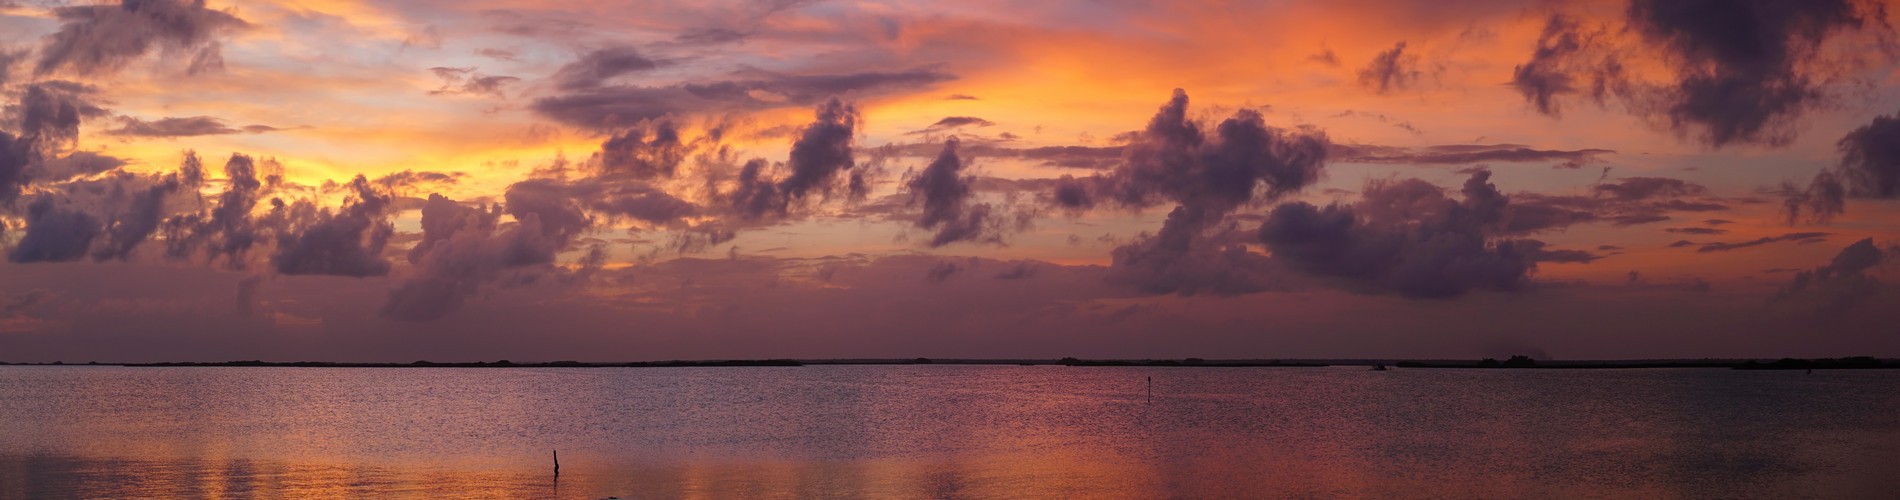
pixel 935 431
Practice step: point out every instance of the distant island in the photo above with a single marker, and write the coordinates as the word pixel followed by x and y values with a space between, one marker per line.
pixel 1513 362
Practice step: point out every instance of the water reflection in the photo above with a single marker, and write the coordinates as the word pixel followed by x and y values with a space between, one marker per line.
pixel 943 432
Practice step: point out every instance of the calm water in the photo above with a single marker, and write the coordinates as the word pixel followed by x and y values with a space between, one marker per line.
pixel 947 431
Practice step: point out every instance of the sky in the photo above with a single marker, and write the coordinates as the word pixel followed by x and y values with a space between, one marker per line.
pixel 346 180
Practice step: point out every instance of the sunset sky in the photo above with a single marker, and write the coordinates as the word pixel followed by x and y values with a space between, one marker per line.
pixel 481 179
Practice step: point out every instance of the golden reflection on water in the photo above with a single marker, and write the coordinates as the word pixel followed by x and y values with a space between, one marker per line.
pixel 943 432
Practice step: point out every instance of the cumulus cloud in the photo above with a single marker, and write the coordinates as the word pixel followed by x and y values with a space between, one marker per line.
pixel 54 233
pixel 97 39
pixel 137 217
pixel 228 230
pixel 347 242
pixel 823 152
pixel 1174 159
pixel 49 114
pixel 465 249
pixel 650 150
pixel 1842 283
pixel 1410 238
pixel 944 193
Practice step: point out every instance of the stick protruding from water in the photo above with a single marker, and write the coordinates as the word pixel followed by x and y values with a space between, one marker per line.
pixel 557 463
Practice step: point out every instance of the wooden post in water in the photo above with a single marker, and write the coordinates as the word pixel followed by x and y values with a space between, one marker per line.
pixel 1151 389
pixel 557 463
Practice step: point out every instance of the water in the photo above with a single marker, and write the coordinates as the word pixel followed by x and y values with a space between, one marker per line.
pixel 924 431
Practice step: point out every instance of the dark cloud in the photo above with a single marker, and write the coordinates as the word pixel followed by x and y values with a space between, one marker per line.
pixel 756 195
pixel 1747 71
pixel 132 225
pixel 15 155
pixel 49 114
pixel 1621 203
pixel 1077 157
pixel 960 97
pixel 1390 70
pixel 464 249
pixel 1842 283
pixel 1741 79
pixel 347 242
pixel 822 152
pixel 822 161
pixel 1183 259
pixel 644 152
pixel 458 253
pixel 1460 154
pixel 95 39
pixel 944 192
pixel 953 122
pixel 1174 160
pixel 1869 168
pixel 1408 237
pixel 411 179
pixel 622 200
pixel 596 67
pixel 1541 252
pixel 619 106
pixel 1724 247
pixel 228 230
pixel 941 271
pixel 189 126
pixel 805 89
pixel 1870 158
pixel 77 164
pixel 1636 219
pixel 1697 230
pixel 1568 60
pixel 1644 188
pixel 8 59
pixel 54 233
pixel 1021 270
pixel 468 81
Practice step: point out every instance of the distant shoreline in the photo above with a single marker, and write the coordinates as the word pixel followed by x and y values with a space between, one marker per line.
pixel 1515 362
